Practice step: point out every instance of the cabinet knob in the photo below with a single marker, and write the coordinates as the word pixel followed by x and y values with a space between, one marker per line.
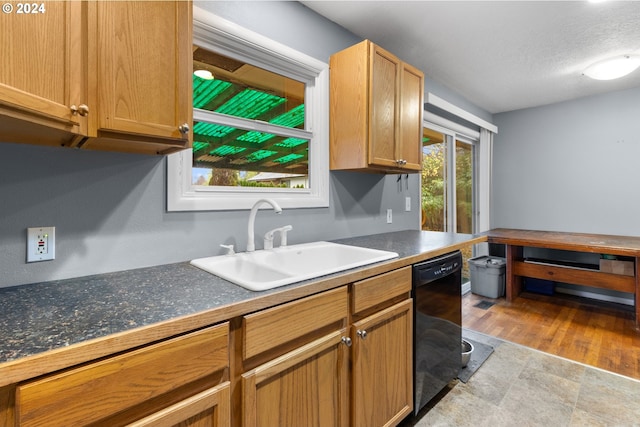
pixel 82 109
pixel 401 162
pixel 184 128
pixel 346 341
pixel 361 333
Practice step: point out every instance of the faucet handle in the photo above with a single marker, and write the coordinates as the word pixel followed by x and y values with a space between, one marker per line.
pixel 268 238
pixel 283 234
pixel 229 249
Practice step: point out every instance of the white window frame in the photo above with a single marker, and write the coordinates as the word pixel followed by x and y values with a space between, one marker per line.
pixel 229 39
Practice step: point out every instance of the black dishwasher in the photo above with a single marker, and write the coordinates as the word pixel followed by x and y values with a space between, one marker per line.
pixel 437 355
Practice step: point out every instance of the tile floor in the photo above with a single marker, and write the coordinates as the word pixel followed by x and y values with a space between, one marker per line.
pixel 519 386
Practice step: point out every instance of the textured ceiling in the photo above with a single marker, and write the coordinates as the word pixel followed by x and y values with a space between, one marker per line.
pixel 502 55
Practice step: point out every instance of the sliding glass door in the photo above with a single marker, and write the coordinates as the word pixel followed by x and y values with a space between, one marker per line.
pixel 447 193
pixel 434 181
pixel 464 185
pixel 448 184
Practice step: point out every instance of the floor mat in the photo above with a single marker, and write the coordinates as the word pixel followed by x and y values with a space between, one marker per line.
pixel 481 352
pixel 485 305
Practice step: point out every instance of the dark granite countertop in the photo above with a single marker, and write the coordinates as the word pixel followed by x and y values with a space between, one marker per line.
pixel 40 317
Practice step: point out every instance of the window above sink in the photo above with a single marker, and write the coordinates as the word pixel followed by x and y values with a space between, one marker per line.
pixel 260 125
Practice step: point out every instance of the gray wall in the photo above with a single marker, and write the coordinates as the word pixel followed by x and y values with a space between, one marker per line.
pixel 300 29
pixel 109 209
pixel 571 166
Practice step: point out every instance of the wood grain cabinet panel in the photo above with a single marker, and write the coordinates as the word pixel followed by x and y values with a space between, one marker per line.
pixel 42 69
pixel 98 74
pixel 302 376
pixel 210 408
pixel 377 290
pixel 96 391
pixel 382 385
pixel 306 387
pixel 376 109
pixel 268 329
pixel 140 75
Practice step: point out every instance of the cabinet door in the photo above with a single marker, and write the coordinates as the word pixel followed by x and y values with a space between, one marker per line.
pixel 384 99
pixel 411 110
pixel 41 72
pixel 305 387
pixel 382 385
pixel 211 408
pixel 140 67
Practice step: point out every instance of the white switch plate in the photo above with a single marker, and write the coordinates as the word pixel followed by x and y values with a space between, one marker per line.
pixel 41 244
pixel 389 216
pixel 407 204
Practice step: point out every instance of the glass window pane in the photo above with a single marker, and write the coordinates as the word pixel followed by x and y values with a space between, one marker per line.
pixel 244 90
pixel 236 157
pixel 433 181
pixel 225 155
pixel 464 187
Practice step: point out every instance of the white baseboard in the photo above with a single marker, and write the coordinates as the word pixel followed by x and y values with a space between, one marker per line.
pixel 466 288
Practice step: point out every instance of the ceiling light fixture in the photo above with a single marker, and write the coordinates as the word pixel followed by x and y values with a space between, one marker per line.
pixel 204 74
pixel 613 68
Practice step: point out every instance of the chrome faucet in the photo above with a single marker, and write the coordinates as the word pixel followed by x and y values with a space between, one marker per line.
pixel 251 244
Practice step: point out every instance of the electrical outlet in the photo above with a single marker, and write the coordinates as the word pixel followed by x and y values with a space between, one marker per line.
pixel 407 204
pixel 41 244
pixel 389 216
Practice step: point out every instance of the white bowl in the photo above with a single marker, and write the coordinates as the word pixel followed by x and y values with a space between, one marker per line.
pixel 467 349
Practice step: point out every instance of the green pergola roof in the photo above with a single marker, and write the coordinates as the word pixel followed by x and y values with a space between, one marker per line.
pixel 228 147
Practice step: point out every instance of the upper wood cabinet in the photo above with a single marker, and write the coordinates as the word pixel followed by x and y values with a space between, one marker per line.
pixel 101 75
pixel 42 70
pixel 139 62
pixel 376 108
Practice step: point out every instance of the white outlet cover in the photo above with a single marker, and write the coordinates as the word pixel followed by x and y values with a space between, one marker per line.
pixel 41 244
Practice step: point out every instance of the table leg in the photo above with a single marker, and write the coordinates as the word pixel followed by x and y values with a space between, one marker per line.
pixel 513 282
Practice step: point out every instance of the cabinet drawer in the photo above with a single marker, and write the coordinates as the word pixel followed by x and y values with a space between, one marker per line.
pixel 92 392
pixel 376 290
pixel 211 407
pixel 270 328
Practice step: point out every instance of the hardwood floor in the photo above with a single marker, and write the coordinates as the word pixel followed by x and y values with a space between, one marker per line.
pixel 597 334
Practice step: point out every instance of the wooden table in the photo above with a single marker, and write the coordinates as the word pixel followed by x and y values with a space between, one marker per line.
pixel 515 240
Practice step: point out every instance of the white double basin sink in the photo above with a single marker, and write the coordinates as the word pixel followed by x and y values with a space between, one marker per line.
pixel 267 269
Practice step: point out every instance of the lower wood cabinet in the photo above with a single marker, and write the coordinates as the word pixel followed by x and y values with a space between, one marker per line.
pixel 210 408
pixel 382 373
pixel 294 363
pixel 305 387
pixel 342 357
pixel 128 387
